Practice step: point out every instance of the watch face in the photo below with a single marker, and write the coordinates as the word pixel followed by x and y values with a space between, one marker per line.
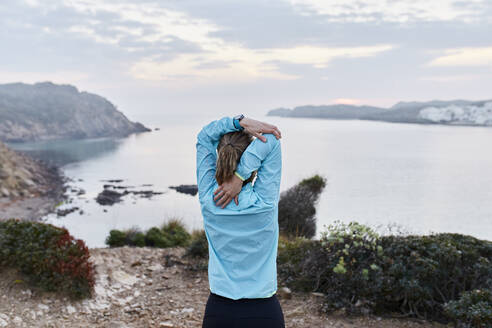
pixel 239 117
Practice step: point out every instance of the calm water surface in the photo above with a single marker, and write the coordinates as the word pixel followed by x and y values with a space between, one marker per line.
pixel 424 178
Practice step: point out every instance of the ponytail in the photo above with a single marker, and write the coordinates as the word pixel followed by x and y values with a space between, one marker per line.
pixel 226 163
pixel 231 147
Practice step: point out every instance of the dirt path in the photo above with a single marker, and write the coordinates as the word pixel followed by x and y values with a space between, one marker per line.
pixel 144 287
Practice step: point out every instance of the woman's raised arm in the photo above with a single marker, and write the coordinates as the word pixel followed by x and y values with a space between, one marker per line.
pixel 251 160
pixel 206 156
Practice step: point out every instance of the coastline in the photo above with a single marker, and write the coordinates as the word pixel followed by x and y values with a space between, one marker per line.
pixel 37 205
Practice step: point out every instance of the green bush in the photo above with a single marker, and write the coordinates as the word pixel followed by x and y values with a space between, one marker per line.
pixel 297 208
pixel 48 256
pixel 131 237
pixel 116 238
pixel 171 234
pixel 155 238
pixel 295 261
pixel 176 233
pixel 472 309
pixel 199 245
pixel 362 272
pixel 424 272
pixel 345 265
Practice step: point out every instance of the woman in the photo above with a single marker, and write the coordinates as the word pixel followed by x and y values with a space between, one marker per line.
pixel 242 235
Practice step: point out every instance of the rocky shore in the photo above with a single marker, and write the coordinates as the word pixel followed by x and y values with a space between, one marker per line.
pixel 149 287
pixel 29 189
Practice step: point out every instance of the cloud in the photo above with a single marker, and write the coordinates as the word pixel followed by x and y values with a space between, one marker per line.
pixel 61 77
pixel 161 22
pixel 391 11
pixel 452 78
pixel 465 57
pixel 348 101
pixel 295 51
pixel 244 64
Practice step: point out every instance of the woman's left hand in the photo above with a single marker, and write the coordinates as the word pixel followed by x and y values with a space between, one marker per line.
pixel 257 128
pixel 227 191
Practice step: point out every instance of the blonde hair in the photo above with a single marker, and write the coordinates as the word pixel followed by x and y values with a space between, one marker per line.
pixel 231 147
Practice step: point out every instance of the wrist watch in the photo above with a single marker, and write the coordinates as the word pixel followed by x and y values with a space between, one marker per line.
pixel 236 121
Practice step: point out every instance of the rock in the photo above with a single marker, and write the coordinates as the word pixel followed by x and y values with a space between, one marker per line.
pixel 146 193
pixel 70 309
pixel 136 263
pixel 166 324
pixel 4 320
pixel 65 212
pixel 284 293
pixel 297 312
pixel 186 189
pixel 28 182
pixel 123 278
pixel 4 192
pixel 117 324
pixel 155 267
pixel 109 197
pixel 113 180
pixel 43 307
pixel 317 294
pixel 17 320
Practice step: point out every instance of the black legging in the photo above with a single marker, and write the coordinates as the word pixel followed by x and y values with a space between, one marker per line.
pixel 222 312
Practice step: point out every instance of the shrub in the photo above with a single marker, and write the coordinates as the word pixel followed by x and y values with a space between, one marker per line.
pixel 297 208
pixel 360 271
pixel 472 309
pixel 131 237
pixel 424 272
pixel 48 256
pixel 345 265
pixel 297 263
pixel 155 238
pixel 199 245
pixel 171 234
pixel 176 233
pixel 116 238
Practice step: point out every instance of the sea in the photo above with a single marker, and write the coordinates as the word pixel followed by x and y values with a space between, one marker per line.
pixel 395 178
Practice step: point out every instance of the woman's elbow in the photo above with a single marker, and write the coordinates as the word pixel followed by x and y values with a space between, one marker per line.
pixel 271 138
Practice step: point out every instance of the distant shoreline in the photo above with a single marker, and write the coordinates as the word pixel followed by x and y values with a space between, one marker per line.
pixel 436 112
pixel 381 121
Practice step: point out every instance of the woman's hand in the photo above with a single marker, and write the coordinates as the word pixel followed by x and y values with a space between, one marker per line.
pixel 227 191
pixel 256 128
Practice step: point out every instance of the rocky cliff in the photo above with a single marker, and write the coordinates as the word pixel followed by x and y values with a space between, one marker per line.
pixel 28 188
pixel 21 176
pixel 47 111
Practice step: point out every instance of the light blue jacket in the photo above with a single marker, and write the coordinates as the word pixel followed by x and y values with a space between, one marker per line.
pixel 242 239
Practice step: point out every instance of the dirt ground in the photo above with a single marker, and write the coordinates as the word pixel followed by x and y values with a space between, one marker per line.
pixel 145 287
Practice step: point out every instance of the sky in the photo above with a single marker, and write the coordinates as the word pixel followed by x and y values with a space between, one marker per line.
pixel 194 58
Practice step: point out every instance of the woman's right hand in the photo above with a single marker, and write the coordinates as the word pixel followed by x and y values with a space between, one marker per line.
pixel 228 191
pixel 257 128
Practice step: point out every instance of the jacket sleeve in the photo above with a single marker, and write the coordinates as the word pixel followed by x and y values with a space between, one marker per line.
pixel 206 151
pixel 266 158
